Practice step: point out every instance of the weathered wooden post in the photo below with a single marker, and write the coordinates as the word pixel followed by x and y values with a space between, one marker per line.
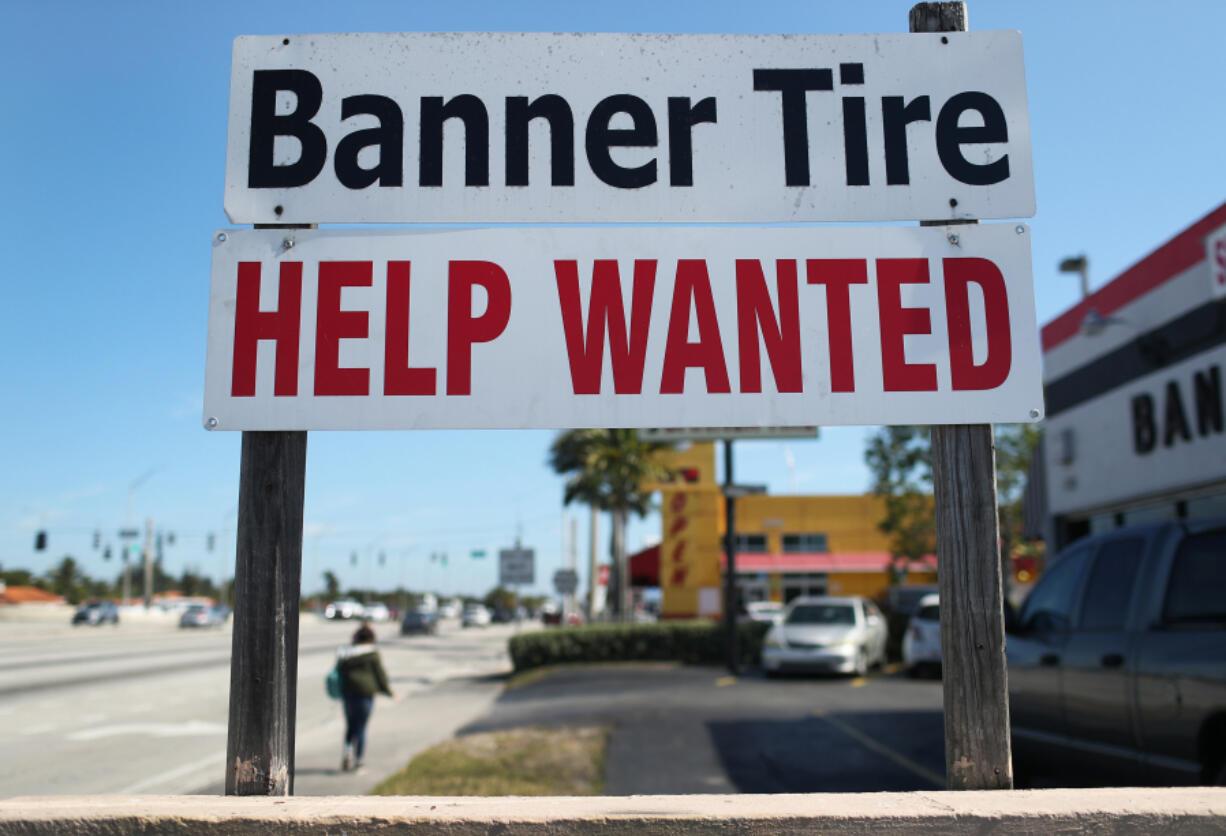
pixel 730 590
pixel 267 588
pixel 977 749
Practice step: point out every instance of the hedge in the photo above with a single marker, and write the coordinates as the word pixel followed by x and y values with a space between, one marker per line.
pixel 692 642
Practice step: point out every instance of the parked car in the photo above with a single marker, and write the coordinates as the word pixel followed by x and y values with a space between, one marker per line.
pixel 921 645
pixel 826 633
pixel 448 609
pixel 419 621
pixel 377 611
pixel 770 611
pixel 475 615
pixel 1117 660
pixel 344 608
pixel 95 613
pixel 199 615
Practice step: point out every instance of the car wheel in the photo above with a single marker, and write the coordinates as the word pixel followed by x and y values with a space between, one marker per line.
pixel 861 667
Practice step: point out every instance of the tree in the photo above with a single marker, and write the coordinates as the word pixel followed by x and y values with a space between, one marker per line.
pixel 607 470
pixel 900 459
pixel 500 598
pixel 332 585
pixel 67 579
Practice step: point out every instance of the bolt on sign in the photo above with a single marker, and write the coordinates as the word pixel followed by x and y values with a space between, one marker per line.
pixel 621 327
pixel 563 128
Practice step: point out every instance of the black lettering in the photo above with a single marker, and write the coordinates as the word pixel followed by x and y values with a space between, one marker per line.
pixel 895 116
pixel 855 127
pixel 389 136
pixel 469 110
pixel 1144 433
pixel 793 85
pixel 1208 388
pixel 950 137
pixel 682 117
pixel 267 125
pixel 600 138
pixel 1175 420
pixel 554 110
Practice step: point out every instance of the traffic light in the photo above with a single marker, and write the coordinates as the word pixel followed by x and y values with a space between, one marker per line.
pixel 208 541
pixel 40 541
pixel 97 540
pixel 382 558
pixel 353 559
pixel 106 553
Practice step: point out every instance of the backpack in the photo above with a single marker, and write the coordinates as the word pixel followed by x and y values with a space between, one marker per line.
pixel 332 683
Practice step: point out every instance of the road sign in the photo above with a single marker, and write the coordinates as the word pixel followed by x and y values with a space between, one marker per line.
pixel 516 567
pixel 621 327
pixel 668 434
pixel 481 127
pixel 478 553
pixel 129 533
pixel 565 581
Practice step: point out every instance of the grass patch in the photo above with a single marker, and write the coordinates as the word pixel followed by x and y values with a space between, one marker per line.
pixel 519 679
pixel 528 761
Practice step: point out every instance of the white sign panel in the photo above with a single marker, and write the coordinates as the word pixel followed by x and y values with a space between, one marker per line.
pixel 1215 252
pixel 473 127
pixel 516 567
pixel 621 327
pixel 669 434
pixel 565 581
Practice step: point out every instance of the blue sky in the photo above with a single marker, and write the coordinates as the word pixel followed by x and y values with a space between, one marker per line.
pixel 112 163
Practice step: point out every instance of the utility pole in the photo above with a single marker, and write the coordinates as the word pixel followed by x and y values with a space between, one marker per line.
pixel 148 555
pixel 730 590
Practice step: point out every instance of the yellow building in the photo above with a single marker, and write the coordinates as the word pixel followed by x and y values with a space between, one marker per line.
pixel 785 545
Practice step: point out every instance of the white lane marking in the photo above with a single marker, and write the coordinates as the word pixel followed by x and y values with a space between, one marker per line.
pixel 215 760
pixel 192 728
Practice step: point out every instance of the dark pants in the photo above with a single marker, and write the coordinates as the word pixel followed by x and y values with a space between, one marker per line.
pixel 357 714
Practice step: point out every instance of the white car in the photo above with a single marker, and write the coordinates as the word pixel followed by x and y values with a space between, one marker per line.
pixel 344 608
pixel 764 610
pixel 826 633
pixel 921 644
pixel 475 615
pixel 377 611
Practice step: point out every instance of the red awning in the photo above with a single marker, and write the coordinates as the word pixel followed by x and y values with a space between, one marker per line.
pixel 645 567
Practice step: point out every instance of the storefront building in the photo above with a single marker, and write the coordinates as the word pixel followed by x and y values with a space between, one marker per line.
pixel 1135 428
pixel 786 545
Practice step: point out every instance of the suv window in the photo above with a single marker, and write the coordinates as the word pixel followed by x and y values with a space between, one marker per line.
pixel 1197 591
pixel 1109 588
pixel 1048 608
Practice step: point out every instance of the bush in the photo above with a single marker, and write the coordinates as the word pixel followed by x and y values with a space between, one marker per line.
pixel 692 642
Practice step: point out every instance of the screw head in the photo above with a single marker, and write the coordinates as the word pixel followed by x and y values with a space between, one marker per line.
pixel 1019 229
pixel 211 423
pixel 287 244
pixel 952 238
pixel 222 237
pixel 1034 413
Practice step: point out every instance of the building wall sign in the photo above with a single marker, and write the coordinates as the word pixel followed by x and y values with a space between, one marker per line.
pixel 500 127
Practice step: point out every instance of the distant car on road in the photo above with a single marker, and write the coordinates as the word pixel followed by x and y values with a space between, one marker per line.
pixel 826 633
pixel 198 615
pixel 419 621
pixel 344 608
pixel 921 644
pixel 95 613
pixel 448 609
pixel 377 611
pixel 475 615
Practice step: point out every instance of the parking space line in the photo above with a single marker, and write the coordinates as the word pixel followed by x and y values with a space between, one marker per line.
pixel 863 739
pixel 725 681
pixel 859 682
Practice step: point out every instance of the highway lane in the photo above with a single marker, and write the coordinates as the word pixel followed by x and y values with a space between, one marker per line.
pixel 143 708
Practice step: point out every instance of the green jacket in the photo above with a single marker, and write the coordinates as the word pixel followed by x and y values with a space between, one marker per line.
pixel 362 671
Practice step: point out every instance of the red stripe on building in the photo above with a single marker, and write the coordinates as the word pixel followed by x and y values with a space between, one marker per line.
pixel 1169 260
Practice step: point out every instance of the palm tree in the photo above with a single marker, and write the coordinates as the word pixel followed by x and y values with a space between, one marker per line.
pixel 608 470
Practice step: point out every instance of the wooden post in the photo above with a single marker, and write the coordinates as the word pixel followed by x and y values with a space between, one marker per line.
pixel 976 696
pixel 730 648
pixel 267 580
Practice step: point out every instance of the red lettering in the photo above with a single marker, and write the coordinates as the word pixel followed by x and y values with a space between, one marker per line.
pixel 679 575
pixel 896 322
pixel 606 312
pixel 332 325
pixel 464 329
pixel 678 526
pixel 679 551
pixel 838 275
pixel 693 287
pixel 398 377
pixel 252 325
pixel 781 336
pixel 959 273
pixel 678 502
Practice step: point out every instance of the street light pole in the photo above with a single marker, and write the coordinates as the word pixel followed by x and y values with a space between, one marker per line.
pixel 1079 264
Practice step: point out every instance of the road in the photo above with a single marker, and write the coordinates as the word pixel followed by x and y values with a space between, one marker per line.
pixel 142 708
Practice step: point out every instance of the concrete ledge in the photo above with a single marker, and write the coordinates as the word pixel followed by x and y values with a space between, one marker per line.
pixel 1198 811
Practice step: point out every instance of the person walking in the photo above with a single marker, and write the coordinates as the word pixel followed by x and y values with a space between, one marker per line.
pixel 362 676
